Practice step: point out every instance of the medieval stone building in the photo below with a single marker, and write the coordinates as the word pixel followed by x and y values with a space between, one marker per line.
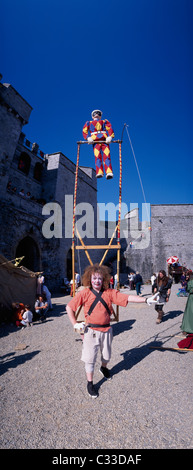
pixel 36 201
pixel 29 181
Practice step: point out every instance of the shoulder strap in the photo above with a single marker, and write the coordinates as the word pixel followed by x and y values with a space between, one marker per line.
pixel 98 299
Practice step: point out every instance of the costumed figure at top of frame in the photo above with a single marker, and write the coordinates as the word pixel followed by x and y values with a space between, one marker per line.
pixel 100 130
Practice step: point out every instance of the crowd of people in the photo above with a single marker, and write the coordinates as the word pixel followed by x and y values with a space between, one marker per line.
pixel 95 297
pixel 25 195
pixel 160 282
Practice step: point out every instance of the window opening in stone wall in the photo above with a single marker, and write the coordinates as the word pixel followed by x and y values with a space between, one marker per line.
pixel 24 163
pixel 38 171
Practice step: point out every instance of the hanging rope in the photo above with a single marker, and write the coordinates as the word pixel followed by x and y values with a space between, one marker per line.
pixel 75 194
pixel 73 220
pixel 126 127
pixel 120 193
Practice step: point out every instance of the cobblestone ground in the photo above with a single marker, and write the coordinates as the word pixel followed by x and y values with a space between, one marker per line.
pixel 45 404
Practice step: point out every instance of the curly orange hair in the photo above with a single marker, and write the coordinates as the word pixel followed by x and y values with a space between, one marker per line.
pixel 96 268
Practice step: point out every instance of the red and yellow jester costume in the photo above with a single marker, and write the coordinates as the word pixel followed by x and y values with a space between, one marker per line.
pixel 100 130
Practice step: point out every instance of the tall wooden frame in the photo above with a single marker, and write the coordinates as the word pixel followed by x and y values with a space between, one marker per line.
pixel 108 247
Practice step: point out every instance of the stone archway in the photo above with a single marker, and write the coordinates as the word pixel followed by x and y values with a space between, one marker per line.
pixel 69 264
pixel 28 248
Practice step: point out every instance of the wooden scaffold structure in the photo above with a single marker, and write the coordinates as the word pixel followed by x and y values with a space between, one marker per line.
pixel 108 247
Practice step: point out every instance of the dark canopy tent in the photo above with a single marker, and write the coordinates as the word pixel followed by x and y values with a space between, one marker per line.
pixel 17 284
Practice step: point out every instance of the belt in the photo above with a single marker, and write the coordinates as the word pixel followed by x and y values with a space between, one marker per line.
pixel 98 132
pixel 94 325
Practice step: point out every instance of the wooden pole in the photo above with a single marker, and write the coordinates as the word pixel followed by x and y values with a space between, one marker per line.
pixel 84 247
pixel 110 243
pixel 73 268
pixel 118 229
pixel 73 220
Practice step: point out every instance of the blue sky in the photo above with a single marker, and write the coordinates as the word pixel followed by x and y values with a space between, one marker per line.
pixel 133 59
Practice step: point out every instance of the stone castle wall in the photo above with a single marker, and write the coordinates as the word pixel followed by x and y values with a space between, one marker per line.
pixel 50 179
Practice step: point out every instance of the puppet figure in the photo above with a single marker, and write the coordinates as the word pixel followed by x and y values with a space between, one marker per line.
pixel 100 130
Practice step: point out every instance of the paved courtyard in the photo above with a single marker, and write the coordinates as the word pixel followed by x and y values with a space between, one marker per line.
pixel 44 400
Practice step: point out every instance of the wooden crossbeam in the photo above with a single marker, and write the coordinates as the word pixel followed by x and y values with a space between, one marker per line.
pixel 98 247
pixel 98 142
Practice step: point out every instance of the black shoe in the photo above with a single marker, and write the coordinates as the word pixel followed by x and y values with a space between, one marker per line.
pixel 91 390
pixel 109 176
pixel 105 372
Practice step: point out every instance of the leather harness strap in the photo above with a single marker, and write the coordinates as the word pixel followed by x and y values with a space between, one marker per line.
pixel 98 298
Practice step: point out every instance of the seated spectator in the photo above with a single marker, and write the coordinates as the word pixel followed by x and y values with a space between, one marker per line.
pixel 28 195
pixel 27 317
pixel 9 185
pixel 21 193
pixel 18 310
pixel 41 307
pixel 66 285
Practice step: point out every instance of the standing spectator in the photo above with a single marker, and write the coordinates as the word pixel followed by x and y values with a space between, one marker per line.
pixel 77 280
pixel 187 321
pixel 131 280
pixel 138 283
pixel 111 282
pixel 115 280
pixel 163 286
pixel 153 279
pixel 45 291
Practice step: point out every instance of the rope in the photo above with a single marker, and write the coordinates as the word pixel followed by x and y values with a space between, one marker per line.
pixel 73 220
pixel 75 194
pixel 126 127
pixel 80 271
pixel 120 193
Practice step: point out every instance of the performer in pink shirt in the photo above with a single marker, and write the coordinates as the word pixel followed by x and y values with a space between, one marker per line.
pixel 97 299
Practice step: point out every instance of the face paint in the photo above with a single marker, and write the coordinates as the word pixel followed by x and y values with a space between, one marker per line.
pixel 97 281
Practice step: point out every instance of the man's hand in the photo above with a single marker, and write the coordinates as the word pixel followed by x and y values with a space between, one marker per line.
pixel 80 327
pixel 154 299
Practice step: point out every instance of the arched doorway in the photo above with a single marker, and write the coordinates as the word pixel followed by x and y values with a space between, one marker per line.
pixel 28 248
pixel 69 264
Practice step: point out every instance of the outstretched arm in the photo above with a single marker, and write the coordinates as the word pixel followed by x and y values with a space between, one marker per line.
pixel 136 299
pixel 150 300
